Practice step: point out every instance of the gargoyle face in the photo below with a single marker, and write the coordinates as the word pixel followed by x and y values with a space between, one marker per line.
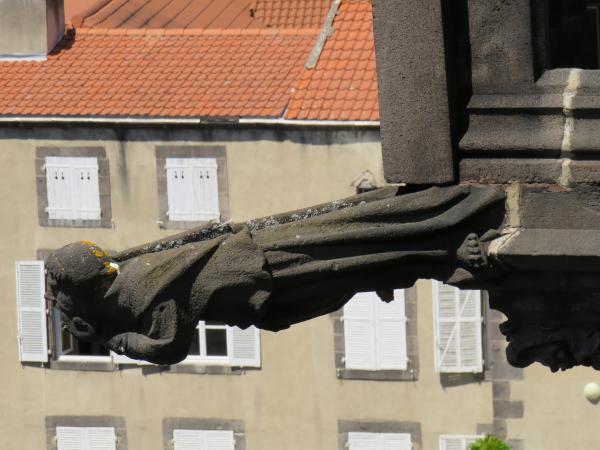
pixel 557 346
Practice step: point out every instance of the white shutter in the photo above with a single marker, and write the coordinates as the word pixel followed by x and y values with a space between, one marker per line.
pixel 31 310
pixel 179 189
pixel 219 440
pixel 396 441
pixel 206 189
pixel 375 332
pixel 470 337
pixel 245 346
pixel 379 441
pixel 445 324
pixel 70 438
pixel 83 438
pixel 73 188
pixel 390 331
pixel 457 323
pixel 455 442
pixel 359 332
pixel 101 438
pixel 363 441
pixel 59 179
pixel 192 189
pixel 203 440
pixel 85 188
pixel 188 440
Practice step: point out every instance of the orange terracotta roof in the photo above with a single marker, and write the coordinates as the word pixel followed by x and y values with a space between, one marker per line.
pixel 292 13
pixel 160 73
pixel 82 8
pixel 197 13
pixel 173 14
pixel 203 73
pixel 343 85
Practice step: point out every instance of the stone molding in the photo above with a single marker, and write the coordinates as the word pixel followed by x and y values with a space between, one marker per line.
pixel 525 118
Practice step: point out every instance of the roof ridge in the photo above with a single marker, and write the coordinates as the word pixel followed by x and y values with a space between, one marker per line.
pixel 196 31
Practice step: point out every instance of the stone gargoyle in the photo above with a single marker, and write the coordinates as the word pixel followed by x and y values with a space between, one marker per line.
pixel 146 302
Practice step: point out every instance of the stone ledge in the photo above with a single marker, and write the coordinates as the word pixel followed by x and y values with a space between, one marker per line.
pixel 508 170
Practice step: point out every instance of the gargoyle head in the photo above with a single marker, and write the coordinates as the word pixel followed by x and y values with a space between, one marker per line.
pixel 77 276
pixel 83 283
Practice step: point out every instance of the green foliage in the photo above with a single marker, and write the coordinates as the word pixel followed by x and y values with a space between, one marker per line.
pixel 489 443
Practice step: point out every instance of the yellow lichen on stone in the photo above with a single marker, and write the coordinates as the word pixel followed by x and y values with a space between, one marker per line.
pixel 96 251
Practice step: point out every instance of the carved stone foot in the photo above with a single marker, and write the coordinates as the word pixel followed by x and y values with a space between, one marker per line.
pixel 471 253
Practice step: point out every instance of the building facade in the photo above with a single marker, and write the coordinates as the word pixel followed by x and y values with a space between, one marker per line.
pixel 312 386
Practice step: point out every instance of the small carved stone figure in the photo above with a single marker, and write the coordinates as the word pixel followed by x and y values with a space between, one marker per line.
pixel 274 272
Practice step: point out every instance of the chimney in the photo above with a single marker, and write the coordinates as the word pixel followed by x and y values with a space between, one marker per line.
pixel 29 29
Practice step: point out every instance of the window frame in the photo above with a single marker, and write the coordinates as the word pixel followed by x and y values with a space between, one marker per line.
pixel 99 153
pixel 193 423
pixel 217 152
pixel 211 360
pixel 116 422
pixel 436 320
pixel 464 437
pixel 412 371
pixel 375 324
pixel 383 427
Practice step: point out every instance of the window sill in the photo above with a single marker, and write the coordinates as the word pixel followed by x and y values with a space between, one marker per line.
pixel 64 223
pixel 378 375
pixel 84 363
pixel 107 364
pixel 183 224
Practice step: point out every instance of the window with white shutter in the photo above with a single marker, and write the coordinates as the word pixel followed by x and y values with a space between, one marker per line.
pixel 375 332
pixel 31 311
pixel 456 442
pixel 73 188
pixel 457 324
pixel 192 189
pixel 203 440
pixel 379 441
pixel 217 343
pixel 85 438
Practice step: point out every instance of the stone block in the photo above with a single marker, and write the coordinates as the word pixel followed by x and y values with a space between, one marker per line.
pixel 585 171
pixel 508 410
pixel 501 390
pixel 413 96
pixel 508 170
pixel 504 371
pixel 500 428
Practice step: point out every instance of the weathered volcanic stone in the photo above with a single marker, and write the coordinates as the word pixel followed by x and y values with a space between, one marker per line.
pixel 415 126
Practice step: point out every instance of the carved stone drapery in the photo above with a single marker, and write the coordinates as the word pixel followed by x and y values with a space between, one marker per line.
pixel 536 249
pixel 276 271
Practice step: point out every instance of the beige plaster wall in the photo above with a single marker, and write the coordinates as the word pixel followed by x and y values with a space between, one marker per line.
pixel 557 415
pixel 295 400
